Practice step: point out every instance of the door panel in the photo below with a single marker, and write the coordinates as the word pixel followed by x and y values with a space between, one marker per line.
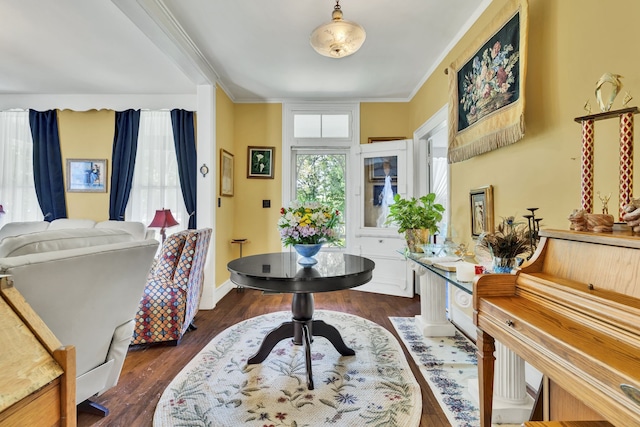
pixel 382 170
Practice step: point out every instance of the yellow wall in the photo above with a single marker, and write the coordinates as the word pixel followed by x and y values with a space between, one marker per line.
pixel 385 119
pixel 571 44
pixel 257 125
pixel 87 135
pixel 225 119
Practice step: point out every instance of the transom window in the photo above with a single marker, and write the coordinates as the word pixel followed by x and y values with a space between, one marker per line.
pixel 321 126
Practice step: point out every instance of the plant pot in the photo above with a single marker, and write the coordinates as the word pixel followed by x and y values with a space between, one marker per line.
pixel 504 265
pixel 416 237
pixel 307 253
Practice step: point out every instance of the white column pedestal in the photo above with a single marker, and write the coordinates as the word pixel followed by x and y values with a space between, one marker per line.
pixel 511 403
pixel 432 320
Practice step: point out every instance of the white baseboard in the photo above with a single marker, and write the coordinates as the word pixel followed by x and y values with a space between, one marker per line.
pixel 218 294
pixel 223 290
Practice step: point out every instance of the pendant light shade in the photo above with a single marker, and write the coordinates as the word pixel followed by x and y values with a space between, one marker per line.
pixel 338 38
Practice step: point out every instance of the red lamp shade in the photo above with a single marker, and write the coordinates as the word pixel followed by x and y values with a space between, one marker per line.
pixel 163 219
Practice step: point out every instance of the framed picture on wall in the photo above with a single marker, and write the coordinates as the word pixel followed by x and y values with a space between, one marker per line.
pixel 481 204
pixel 87 175
pixel 226 173
pixel 260 161
pixel 373 139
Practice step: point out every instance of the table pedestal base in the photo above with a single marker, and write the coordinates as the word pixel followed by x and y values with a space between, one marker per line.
pixel 302 329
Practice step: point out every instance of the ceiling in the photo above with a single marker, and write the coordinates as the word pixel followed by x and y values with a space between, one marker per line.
pixel 257 50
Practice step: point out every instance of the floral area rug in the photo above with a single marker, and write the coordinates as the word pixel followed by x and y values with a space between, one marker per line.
pixel 217 388
pixel 447 364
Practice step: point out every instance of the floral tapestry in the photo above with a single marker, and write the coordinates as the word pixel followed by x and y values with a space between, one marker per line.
pixel 486 87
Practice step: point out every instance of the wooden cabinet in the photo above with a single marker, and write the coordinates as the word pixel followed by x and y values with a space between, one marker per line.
pixel 37 374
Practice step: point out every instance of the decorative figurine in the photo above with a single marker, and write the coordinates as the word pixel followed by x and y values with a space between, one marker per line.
pixel 632 215
pixel 626 99
pixel 605 203
pixel 587 107
pixel 614 81
pixel 599 223
pixel 577 220
pixel 584 221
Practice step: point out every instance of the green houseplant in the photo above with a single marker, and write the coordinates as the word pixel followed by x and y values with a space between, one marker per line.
pixel 417 218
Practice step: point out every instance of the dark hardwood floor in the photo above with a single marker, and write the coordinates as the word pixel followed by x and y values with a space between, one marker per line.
pixel 149 369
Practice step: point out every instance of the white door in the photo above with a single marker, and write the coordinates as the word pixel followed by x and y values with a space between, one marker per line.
pixel 382 169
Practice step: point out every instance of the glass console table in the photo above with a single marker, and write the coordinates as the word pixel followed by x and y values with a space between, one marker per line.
pixel 448 276
pixel 432 320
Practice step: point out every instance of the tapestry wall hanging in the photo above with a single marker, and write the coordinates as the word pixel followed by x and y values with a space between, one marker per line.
pixel 486 87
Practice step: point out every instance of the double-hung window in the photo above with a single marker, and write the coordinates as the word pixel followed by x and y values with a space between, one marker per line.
pixel 156 183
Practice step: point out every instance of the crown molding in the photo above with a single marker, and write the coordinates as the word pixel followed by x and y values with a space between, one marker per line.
pixel 463 30
pixel 157 22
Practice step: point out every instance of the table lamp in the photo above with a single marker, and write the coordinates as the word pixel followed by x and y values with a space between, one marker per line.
pixel 163 219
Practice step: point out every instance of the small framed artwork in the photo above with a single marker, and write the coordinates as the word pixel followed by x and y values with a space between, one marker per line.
pixel 381 167
pixel 384 138
pixel 87 175
pixel 481 200
pixel 226 173
pixel 260 162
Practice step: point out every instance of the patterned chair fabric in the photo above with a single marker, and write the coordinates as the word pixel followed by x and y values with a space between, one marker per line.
pixel 172 294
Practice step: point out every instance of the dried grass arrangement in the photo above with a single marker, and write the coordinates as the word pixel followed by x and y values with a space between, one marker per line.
pixel 509 240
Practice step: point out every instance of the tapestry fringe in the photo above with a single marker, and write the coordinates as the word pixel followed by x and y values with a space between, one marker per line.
pixel 498 139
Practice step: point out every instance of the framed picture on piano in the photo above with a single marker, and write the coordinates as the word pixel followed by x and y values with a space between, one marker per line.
pixel 481 204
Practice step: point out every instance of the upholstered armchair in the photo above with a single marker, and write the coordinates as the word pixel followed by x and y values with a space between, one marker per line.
pixel 174 286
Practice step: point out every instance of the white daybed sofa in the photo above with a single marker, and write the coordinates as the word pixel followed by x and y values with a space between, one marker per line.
pixel 86 285
pixel 137 229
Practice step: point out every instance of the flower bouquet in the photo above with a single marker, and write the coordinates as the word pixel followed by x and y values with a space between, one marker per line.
pixel 308 223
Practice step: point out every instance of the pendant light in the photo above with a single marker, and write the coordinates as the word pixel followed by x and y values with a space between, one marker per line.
pixel 338 38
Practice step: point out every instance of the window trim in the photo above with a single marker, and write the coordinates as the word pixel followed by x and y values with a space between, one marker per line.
pixel 347 144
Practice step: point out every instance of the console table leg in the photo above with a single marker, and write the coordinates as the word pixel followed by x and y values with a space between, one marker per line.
pixel 486 359
pixel 283 331
pixel 307 355
pixel 322 329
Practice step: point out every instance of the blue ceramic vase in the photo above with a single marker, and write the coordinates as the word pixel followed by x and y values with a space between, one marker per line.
pixel 307 253
pixel 504 265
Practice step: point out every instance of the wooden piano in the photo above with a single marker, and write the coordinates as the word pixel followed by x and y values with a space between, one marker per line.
pixel 573 313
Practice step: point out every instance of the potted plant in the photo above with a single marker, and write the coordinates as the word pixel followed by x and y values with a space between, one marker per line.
pixel 417 218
